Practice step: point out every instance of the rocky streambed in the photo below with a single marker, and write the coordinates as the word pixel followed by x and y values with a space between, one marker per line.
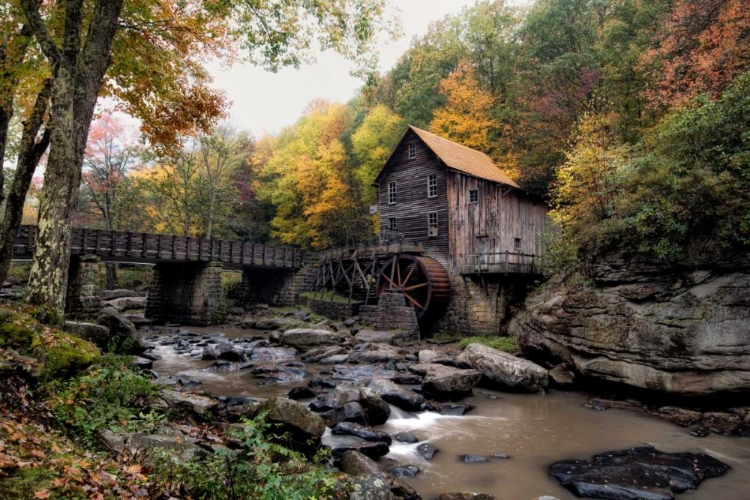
pixel 426 420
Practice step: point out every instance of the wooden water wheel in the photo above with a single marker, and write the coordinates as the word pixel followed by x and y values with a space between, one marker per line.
pixel 423 281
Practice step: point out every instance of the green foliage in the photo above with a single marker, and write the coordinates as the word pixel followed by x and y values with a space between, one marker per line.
pixel 107 396
pixel 259 470
pixel 505 344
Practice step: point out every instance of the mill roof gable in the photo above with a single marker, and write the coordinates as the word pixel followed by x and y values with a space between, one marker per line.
pixel 458 157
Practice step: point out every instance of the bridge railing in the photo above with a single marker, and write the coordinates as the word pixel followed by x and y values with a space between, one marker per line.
pixel 150 247
pixel 500 263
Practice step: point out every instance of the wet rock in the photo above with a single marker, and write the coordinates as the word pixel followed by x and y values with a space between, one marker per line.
pixel 499 456
pixel 445 382
pixel 427 451
pixel 298 427
pixel 320 383
pixel 454 409
pixel 366 433
pixel 407 379
pixel 141 363
pixel 308 338
pixel 335 360
pixel 374 336
pixel 355 463
pixel 372 449
pixel 375 353
pixel 501 370
pixel 372 487
pixel 402 471
pixel 466 495
pixel 349 322
pixel 273 354
pixel 473 459
pixel 247 323
pixel 637 473
pixel 546 497
pixel 376 409
pixel 680 416
pixel 397 396
pixel 301 393
pixel 406 437
pixel 315 355
pixel 270 323
pixel 330 400
pixel 350 412
pixel 429 356
pixel 92 332
pixel 362 373
pixel 278 373
pixel 561 377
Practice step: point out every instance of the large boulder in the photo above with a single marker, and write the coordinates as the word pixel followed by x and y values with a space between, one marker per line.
pixel 638 473
pixel 646 324
pixel 397 395
pixel 126 303
pixel 501 370
pixel 120 293
pixel 294 425
pixel 446 382
pixel 305 339
pixel 355 463
pixel 123 334
pixel 375 411
pixel 97 334
pixel 374 353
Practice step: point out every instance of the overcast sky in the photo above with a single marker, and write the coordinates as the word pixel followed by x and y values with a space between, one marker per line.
pixel 263 101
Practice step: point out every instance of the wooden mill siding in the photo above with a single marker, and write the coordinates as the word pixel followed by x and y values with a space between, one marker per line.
pixel 491 224
pixel 412 203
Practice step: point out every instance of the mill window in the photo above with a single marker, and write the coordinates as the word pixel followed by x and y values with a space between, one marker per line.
pixel 432 186
pixel 391 193
pixel 517 243
pixel 432 224
pixel 412 151
pixel 392 224
pixel 474 196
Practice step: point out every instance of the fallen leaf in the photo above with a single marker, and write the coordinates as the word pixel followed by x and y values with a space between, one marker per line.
pixel 42 494
pixel 134 469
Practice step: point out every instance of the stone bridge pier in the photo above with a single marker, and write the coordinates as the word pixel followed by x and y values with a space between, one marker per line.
pixel 187 293
pixel 83 295
pixel 275 287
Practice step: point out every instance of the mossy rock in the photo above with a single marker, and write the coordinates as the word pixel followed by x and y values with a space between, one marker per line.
pixel 60 353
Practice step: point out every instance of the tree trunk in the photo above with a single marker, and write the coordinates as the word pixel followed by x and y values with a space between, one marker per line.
pixel 28 158
pixel 111 268
pixel 81 70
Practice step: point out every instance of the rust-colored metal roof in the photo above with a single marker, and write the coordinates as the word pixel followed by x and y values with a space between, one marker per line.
pixel 463 159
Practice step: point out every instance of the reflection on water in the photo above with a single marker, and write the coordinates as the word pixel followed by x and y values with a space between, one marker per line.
pixel 533 430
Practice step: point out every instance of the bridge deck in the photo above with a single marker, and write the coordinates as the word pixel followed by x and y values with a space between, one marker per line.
pixel 122 246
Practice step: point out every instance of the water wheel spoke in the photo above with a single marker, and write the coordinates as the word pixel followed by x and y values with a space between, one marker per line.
pixel 411 271
pixel 416 304
pixel 398 272
pixel 414 287
pixel 393 285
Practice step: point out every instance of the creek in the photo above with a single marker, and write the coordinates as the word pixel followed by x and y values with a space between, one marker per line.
pixel 533 430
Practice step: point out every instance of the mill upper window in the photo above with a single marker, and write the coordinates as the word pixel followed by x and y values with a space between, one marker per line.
pixel 517 243
pixel 412 151
pixel 474 196
pixel 432 190
pixel 391 193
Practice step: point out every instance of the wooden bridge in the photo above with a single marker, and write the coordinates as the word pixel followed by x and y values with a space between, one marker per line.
pixel 128 246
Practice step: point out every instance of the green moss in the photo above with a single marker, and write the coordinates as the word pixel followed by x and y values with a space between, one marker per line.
pixel 505 344
pixel 16 329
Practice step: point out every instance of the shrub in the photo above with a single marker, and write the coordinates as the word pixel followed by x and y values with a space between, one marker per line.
pixel 505 344
pixel 107 396
pixel 259 469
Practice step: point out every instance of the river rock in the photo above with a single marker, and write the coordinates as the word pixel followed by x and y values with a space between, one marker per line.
pixel 366 433
pixel 396 395
pixel 561 376
pixel 196 405
pixel 302 427
pixel 360 374
pixel 402 471
pixel 429 356
pixel 374 353
pixel 406 437
pixel 301 393
pixel 321 383
pixel 501 370
pixel 315 355
pixel 427 451
pixel 637 473
pixel 122 329
pixel 278 373
pixel 179 446
pixel 376 409
pixel 273 354
pixel 349 412
pixel 305 339
pixel 330 400
pixel 445 382
pixel 120 293
pixel 455 410
pixel 646 324
pixel 466 495
pixel 92 332
pixel 269 323
pixel 473 459
pixel 126 303
pixel 335 360
pixel 372 449
pixel 355 463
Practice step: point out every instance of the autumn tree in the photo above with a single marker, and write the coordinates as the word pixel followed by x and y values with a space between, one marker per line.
pixel 464 118
pixel 269 32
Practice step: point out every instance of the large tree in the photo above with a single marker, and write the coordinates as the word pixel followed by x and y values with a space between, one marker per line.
pixel 271 32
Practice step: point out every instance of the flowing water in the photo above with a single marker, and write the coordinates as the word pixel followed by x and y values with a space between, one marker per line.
pixel 533 430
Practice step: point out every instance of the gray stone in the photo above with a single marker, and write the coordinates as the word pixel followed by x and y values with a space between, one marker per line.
pixel 372 449
pixel 308 338
pixel 375 353
pixel 430 356
pixel 501 370
pixel 427 451
pixel 466 495
pixel 366 433
pixel 198 406
pixel 396 395
pixel 373 487
pixel 92 332
pixel 349 412
pixel 648 325
pixel 298 427
pixel 406 437
pixel 355 463
pixel 122 329
pixel 120 293
pixel 382 337
pixel 442 381
pixel 561 376
pixel 316 355
pixel 126 303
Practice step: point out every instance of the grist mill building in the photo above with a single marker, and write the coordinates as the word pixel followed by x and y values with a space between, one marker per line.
pixel 471 217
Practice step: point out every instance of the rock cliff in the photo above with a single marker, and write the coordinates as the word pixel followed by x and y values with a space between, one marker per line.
pixel 648 325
